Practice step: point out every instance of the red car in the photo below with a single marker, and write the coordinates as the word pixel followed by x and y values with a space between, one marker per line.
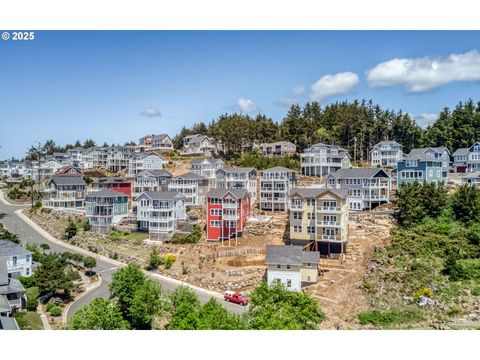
pixel 235 297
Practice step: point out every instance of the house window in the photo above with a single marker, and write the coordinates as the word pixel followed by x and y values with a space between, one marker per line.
pixel 289 283
pixel 27 271
pixel 279 266
pixel 297 215
pixel 309 265
pixel 14 261
pixel 311 216
pixel 288 266
pixel 297 228
pixel 27 258
pixel 311 202
pixel 309 279
pixel 311 229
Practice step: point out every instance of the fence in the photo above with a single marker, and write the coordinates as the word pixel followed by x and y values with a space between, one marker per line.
pixel 234 252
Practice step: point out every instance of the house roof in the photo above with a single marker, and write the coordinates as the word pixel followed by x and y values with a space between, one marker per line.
pixel 418 151
pixel 8 248
pixel 419 157
pixel 162 195
pixel 106 193
pixel 461 151
pixel 160 136
pixel 8 323
pixel 155 173
pixel 111 180
pixel 145 154
pixel 4 305
pixel 65 171
pixel 14 286
pixel 388 142
pixel 237 169
pixel 473 175
pixel 220 193
pixel 319 145
pixel 190 176
pixel 3 271
pixel 316 192
pixel 278 169
pixel 358 173
pixel 67 180
pixel 290 255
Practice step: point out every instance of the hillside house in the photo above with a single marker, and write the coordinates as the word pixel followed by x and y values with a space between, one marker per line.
pixel 105 209
pixel 467 159
pixel 118 157
pixel 198 144
pixel 193 187
pixel 291 266
pixel 319 219
pixel 420 167
pixel 159 211
pixel 18 260
pixel 162 142
pixel 144 161
pixel 322 159
pixel 238 178
pixel 227 213
pixel 65 192
pixel 206 168
pixel 115 184
pixel 275 185
pixel 150 180
pixel 280 148
pixel 386 154
pixel 12 297
pixel 75 156
pixel 367 187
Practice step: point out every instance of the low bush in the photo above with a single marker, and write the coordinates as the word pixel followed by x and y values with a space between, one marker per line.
pixel 191 238
pixel 56 311
pixel 169 260
pixel 49 306
pixel 467 269
pixel 422 292
pixel 27 281
pixel 390 317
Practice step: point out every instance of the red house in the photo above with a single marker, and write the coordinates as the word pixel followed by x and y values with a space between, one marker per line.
pixel 227 213
pixel 114 184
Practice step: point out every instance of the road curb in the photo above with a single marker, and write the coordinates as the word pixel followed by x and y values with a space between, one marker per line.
pixel 95 285
pixel 51 238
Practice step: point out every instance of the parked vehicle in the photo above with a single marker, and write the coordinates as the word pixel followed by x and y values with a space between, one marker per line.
pixel 235 297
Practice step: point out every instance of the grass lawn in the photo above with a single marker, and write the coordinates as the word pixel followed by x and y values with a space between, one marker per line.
pixel 28 320
pixel 136 236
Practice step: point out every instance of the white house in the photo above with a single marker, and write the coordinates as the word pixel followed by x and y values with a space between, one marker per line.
pixel 291 266
pixel 161 142
pixel 206 168
pixel 275 185
pixel 367 187
pixel 322 159
pixel 238 178
pixel 198 144
pixel 65 192
pixel 467 159
pixel 144 161
pixel 159 211
pixel 19 260
pixel 386 153
pixel 194 187
pixel 150 180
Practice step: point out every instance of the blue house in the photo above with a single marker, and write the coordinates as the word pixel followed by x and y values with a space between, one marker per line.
pixel 420 167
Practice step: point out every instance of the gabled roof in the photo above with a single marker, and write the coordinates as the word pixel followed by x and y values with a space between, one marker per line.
pixel 111 180
pixel 278 169
pixel 154 173
pixel 8 248
pixel 160 137
pixel 106 193
pixel 358 173
pixel 316 192
pixel 67 180
pixel 473 175
pixel 66 171
pixel 320 145
pixel 290 255
pixel 162 195
pixel 419 157
pixel 145 154
pixel 418 151
pixel 237 169
pixel 461 151
pixel 220 193
pixel 190 176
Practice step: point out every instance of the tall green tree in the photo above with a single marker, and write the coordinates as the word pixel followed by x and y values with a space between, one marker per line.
pixel 100 314
pixel 125 283
pixel 466 204
pixel 145 305
pixel 52 275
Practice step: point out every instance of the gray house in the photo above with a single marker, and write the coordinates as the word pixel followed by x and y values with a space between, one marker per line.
pixel 17 259
pixel 65 192
pixel 11 292
pixel 367 187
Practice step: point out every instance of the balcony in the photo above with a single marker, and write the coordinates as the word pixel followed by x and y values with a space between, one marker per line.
pixel 333 238
pixel 230 217
pixel 296 207
pixel 376 197
pixel 329 223
pixel 229 205
pixel 329 209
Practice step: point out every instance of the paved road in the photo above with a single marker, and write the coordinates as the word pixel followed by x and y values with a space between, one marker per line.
pixel 15 224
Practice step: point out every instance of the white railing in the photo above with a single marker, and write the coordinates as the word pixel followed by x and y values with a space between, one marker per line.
pixel 228 205
pixel 329 209
pixel 230 217
pixel 336 238
pixel 328 223
pixel 375 197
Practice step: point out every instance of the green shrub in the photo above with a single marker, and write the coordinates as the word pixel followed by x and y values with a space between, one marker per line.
pixel 115 235
pixel 32 304
pixel 27 281
pixel 389 317
pixel 454 310
pixel 475 291
pixel 56 311
pixel 154 260
pixel 467 269
pixel 191 238
pixel 422 292
pixel 49 306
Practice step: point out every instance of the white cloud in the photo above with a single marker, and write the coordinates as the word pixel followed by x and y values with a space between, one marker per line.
pixel 298 90
pixel 333 84
pixel 247 105
pixel 425 119
pixel 423 74
pixel 151 112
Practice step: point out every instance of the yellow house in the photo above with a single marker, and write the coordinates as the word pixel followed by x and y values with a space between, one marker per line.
pixel 319 219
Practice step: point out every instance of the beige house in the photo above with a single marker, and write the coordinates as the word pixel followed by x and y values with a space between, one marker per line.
pixel 291 265
pixel 319 219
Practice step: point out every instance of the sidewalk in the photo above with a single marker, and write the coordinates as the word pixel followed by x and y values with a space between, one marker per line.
pixel 43 316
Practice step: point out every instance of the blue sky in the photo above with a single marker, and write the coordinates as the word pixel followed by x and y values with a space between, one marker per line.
pixel 100 85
